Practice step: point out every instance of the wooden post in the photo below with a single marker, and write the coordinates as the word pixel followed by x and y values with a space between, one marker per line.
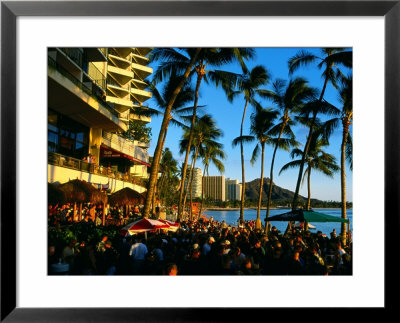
pixel 80 212
pixel 74 213
pixel 104 214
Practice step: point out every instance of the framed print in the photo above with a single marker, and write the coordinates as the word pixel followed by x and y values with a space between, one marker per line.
pixel 281 24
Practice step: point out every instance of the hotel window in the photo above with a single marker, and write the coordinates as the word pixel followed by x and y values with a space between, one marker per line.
pixel 52 131
pixel 66 136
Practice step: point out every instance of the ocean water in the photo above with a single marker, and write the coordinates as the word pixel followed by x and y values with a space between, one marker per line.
pixel 231 218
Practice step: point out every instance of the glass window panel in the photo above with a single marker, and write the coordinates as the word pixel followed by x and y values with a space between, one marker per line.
pixel 53 137
pixel 80 136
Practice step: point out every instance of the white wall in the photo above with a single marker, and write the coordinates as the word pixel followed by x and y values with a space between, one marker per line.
pixel 62 175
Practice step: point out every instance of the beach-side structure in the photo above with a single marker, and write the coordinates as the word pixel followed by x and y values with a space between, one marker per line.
pixel 233 189
pixel 214 187
pixel 92 93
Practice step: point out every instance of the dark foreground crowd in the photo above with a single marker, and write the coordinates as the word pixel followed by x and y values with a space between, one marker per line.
pixel 210 248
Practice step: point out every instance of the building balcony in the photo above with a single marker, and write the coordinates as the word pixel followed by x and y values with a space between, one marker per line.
pixel 122 75
pixel 63 168
pixel 139 59
pixel 83 102
pixel 118 90
pixel 127 147
pixel 94 54
pixel 141 70
pixel 140 95
pixel 118 62
pixel 139 84
pixel 143 51
pixel 134 116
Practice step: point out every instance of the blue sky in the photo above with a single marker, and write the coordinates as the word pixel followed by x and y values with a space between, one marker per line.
pixel 228 117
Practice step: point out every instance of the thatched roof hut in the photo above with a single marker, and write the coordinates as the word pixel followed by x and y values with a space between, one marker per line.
pixel 81 191
pixel 126 196
pixel 54 194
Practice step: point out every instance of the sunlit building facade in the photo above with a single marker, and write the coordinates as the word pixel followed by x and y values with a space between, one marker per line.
pixel 197 182
pixel 233 189
pixel 91 96
pixel 214 187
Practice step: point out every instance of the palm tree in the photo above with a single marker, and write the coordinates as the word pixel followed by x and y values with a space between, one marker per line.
pixel 345 118
pixel 169 176
pixel 262 130
pixel 178 111
pixel 205 134
pixel 288 98
pixel 164 125
pixel 211 154
pixel 249 84
pixel 176 59
pixel 330 62
pixel 317 160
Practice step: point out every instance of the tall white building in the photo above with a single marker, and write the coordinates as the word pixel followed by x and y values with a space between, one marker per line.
pixel 232 189
pixel 197 182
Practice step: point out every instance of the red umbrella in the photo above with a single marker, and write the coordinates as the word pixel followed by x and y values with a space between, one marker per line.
pixel 172 226
pixel 143 225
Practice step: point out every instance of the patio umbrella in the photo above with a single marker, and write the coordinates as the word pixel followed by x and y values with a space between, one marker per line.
pixel 126 196
pixel 172 226
pixel 81 191
pixel 77 191
pixel 143 225
pixel 306 216
pixel 54 194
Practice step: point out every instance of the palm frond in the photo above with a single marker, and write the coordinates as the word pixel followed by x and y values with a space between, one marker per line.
pixel 290 165
pixel 242 139
pixel 302 58
pixel 255 154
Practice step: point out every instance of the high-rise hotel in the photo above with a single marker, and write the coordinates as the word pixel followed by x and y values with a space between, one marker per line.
pixel 92 97
pixel 214 187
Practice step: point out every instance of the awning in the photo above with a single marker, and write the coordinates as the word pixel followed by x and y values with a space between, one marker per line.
pixel 308 216
pixel 107 152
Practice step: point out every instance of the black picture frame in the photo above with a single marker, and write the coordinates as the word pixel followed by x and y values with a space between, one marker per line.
pixel 10 10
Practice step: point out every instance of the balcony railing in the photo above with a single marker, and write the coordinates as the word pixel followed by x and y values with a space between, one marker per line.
pixel 80 165
pixel 97 76
pixel 125 146
pixel 93 92
pixel 75 54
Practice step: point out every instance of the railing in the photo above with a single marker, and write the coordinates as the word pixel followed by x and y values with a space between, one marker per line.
pixel 97 76
pixel 75 54
pixel 90 91
pixel 126 146
pixel 80 165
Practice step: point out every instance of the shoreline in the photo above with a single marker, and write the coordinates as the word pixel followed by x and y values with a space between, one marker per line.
pixel 264 208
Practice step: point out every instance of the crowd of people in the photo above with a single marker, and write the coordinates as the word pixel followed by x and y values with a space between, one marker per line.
pixel 90 213
pixel 208 248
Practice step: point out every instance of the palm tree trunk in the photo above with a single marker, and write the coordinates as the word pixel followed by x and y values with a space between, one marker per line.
pixel 153 202
pixel 258 221
pixel 309 194
pixel 343 228
pixel 305 152
pixel 158 150
pixel 241 218
pixel 308 188
pixel 184 170
pixel 191 181
pixel 271 177
pixel 164 136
